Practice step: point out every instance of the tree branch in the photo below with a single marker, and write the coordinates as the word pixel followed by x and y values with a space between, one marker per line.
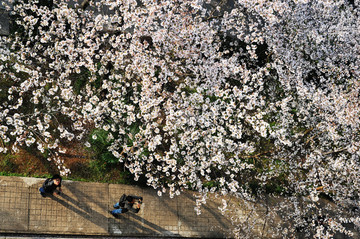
pixel 335 151
pixel 84 4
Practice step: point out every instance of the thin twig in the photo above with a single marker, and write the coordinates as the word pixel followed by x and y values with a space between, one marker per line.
pixel 311 138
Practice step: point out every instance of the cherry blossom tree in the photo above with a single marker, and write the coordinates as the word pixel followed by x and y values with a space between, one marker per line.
pixel 249 98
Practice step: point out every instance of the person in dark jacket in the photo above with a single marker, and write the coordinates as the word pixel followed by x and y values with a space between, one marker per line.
pixel 51 186
pixel 127 203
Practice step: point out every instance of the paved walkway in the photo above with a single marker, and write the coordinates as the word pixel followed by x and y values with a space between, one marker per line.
pixel 83 208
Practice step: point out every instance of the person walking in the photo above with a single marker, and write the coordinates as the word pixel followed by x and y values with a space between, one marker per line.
pixel 127 203
pixel 51 186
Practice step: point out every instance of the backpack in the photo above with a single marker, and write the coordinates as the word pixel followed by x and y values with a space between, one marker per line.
pixel 122 200
pixel 45 184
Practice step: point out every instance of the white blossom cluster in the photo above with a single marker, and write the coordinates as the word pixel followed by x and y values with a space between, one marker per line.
pixel 208 95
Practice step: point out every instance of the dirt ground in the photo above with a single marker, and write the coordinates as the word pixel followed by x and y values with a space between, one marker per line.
pixel 80 161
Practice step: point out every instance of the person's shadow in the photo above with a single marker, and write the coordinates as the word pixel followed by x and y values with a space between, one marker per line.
pixel 133 225
pixel 151 225
pixel 81 210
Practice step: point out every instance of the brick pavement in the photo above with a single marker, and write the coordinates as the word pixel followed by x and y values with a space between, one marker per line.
pixel 83 208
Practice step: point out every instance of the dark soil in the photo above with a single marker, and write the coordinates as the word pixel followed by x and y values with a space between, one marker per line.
pixel 79 160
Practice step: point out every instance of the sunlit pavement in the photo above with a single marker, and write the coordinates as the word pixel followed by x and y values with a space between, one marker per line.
pixel 34 236
pixel 83 209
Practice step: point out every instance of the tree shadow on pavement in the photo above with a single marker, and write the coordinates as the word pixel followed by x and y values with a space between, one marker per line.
pixel 223 222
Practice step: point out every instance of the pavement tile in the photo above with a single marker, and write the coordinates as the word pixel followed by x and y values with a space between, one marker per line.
pixel 13 204
pixel 147 221
pixel 83 209
pixel 204 225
